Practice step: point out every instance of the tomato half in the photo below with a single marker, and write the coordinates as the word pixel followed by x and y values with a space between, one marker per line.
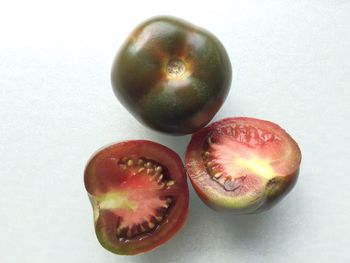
pixel 171 75
pixel 242 165
pixel 139 194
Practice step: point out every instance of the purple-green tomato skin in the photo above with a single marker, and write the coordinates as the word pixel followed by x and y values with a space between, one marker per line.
pixel 175 104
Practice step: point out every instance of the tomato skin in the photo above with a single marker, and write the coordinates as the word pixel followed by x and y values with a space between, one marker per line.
pixel 101 175
pixel 161 99
pixel 214 196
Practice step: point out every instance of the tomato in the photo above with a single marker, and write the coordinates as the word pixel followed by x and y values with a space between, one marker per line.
pixel 242 165
pixel 139 194
pixel 171 75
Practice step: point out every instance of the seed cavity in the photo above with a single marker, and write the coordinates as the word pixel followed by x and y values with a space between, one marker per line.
pixel 246 134
pixel 159 175
pixel 154 170
pixel 147 225
pixel 241 133
pixel 216 173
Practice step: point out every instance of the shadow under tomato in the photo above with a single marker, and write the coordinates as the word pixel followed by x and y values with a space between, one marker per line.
pixel 260 233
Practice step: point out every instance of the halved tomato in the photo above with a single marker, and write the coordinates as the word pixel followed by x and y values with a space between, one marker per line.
pixel 242 165
pixel 139 194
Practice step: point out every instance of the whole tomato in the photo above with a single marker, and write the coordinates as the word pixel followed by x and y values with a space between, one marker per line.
pixel 171 75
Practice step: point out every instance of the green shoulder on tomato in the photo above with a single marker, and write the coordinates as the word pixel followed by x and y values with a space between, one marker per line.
pixel 171 75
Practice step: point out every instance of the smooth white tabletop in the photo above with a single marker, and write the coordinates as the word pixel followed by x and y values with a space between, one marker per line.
pixel 291 65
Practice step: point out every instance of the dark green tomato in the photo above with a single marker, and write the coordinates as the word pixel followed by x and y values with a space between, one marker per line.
pixel 171 75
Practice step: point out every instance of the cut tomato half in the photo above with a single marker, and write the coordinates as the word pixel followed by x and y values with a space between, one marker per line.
pixel 139 194
pixel 242 164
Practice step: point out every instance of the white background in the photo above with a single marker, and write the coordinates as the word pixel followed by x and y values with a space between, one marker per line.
pixel 291 65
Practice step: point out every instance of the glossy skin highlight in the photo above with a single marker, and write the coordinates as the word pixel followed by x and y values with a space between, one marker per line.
pixel 171 75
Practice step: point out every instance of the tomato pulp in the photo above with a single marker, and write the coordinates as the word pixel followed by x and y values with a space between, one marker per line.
pixel 139 194
pixel 242 165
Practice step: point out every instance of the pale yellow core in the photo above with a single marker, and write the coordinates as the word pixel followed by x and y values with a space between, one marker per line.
pixel 257 166
pixel 115 200
pixel 135 203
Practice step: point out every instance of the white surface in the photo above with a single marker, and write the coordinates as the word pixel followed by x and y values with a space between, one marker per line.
pixel 291 65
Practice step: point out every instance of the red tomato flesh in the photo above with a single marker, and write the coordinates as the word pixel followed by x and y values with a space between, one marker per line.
pixel 242 165
pixel 139 194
